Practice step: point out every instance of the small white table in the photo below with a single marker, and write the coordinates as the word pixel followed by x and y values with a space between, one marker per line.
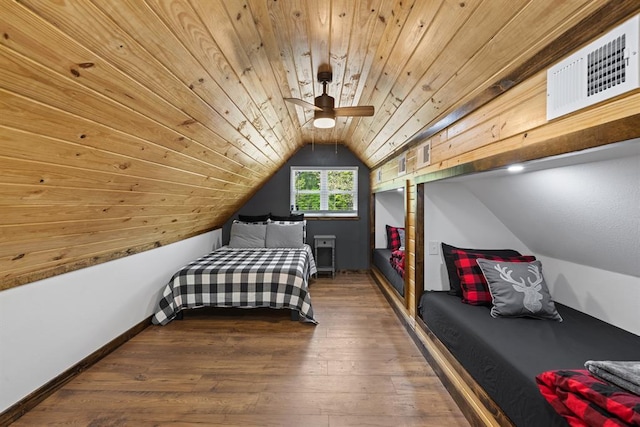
pixel 325 253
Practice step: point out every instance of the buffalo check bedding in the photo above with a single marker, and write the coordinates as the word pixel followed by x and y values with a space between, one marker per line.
pixel 234 277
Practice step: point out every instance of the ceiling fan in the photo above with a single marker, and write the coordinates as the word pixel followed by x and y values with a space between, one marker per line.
pixel 324 112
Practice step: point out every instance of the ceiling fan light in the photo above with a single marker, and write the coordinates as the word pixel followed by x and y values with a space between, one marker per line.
pixel 324 122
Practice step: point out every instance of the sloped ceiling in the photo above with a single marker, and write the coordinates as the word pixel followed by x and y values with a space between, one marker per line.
pixel 131 123
pixel 215 72
pixel 583 208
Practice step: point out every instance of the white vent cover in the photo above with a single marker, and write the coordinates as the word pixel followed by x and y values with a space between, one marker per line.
pixel 424 154
pixel 402 164
pixel 605 68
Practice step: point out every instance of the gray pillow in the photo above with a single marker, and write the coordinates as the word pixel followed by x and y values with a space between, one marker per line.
pixel 284 235
pixel 401 234
pixel 247 235
pixel 518 289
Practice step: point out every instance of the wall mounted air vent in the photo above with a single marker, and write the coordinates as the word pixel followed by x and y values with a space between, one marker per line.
pixel 402 164
pixel 605 68
pixel 423 154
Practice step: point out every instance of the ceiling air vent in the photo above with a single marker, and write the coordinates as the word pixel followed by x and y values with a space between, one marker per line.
pixel 605 68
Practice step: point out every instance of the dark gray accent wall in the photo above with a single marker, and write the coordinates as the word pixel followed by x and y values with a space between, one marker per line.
pixel 352 236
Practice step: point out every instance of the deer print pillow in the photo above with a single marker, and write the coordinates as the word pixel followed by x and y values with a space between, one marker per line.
pixel 518 289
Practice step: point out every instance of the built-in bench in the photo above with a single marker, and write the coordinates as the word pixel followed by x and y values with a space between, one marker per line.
pixel 498 358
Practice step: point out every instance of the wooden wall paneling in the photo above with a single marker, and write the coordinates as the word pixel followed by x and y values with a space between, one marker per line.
pixel 233 64
pixel 319 24
pixel 370 21
pixel 28 172
pixel 44 235
pixel 418 22
pixel 296 27
pixel 124 52
pixel 279 22
pixel 607 15
pixel 272 54
pixel 65 249
pixel 179 153
pixel 142 25
pixel 393 17
pixel 495 59
pixel 110 171
pixel 61 261
pixel 618 110
pixel 538 25
pixel 29 214
pixel 24 34
pixel 33 81
pixel 481 134
pixel 338 35
pixel 400 105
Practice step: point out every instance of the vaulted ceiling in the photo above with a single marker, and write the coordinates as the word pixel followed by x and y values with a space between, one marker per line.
pixel 126 124
pixel 216 72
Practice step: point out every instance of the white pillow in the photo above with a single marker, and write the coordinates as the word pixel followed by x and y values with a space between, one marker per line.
pixel 284 235
pixel 247 235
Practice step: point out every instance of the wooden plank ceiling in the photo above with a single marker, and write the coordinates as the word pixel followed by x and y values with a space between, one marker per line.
pixel 130 123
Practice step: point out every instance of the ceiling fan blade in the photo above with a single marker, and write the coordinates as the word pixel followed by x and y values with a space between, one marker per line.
pixel 303 104
pixel 361 111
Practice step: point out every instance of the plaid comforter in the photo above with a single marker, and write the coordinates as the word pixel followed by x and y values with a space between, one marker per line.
pixel 584 400
pixel 397 261
pixel 231 277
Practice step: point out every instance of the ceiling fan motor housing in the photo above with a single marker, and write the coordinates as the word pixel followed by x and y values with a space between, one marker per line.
pixel 325 102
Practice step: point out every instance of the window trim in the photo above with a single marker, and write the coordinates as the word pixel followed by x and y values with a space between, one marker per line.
pixel 324 191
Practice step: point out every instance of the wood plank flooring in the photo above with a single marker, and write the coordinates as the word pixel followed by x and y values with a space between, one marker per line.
pixel 228 367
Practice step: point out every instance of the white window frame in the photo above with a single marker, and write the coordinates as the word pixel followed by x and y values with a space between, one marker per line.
pixel 324 191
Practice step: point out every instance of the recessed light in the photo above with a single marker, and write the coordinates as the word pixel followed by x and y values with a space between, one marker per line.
pixel 515 168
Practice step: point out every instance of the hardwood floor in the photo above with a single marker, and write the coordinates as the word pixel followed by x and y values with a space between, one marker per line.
pixel 358 367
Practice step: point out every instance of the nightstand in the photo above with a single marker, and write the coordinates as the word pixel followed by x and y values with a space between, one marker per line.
pixel 325 254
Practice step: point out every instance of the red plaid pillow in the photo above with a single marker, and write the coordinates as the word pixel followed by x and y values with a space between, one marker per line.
pixel 475 290
pixel 393 238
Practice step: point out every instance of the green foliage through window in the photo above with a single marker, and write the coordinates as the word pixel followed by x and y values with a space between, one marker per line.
pixel 324 191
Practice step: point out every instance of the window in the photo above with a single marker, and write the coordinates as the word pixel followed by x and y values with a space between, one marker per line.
pixel 319 191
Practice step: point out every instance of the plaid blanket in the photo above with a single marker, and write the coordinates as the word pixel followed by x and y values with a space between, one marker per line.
pixel 231 277
pixel 397 261
pixel 584 400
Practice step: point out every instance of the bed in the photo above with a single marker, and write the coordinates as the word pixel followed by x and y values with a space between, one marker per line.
pixel 390 261
pixel 382 261
pixel 258 268
pixel 505 354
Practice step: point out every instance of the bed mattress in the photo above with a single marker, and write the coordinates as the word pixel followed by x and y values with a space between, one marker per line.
pixel 505 354
pixel 381 259
pixel 246 278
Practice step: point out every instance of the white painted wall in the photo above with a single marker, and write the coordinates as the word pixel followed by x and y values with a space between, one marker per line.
pixel 453 215
pixel 580 215
pixel 389 211
pixel 48 326
pixel 606 295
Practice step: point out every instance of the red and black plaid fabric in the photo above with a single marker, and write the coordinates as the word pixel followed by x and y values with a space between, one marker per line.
pixel 475 290
pixel 393 238
pixel 584 400
pixel 397 261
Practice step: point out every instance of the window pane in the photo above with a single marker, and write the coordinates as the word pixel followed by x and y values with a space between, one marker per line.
pixel 324 191
pixel 340 180
pixel 307 202
pixel 308 180
pixel 341 202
